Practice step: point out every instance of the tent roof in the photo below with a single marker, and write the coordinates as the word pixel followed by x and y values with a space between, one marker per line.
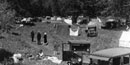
pixel 125 36
pixel 112 52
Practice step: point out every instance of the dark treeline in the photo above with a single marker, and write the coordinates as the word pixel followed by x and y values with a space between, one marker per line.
pixel 70 7
pixel 37 8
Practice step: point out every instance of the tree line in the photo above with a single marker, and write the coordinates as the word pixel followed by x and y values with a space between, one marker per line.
pixel 74 8
pixel 89 8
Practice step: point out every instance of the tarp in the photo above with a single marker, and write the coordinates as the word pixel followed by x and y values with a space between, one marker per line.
pixel 124 40
pixel 53 59
pixel 68 21
pixel 95 22
pixel 24 19
pixel 16 57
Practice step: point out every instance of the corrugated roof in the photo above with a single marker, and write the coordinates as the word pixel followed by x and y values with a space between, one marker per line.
pixel 112 52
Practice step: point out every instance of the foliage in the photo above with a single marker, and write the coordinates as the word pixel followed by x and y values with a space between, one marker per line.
pixel 6 14
pixel 91 8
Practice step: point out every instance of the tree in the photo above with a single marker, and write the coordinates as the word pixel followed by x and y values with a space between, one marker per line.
pixel 6 14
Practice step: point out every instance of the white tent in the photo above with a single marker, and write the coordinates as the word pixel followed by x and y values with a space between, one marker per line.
pixel 59 18
pixel 68 21
pixel 124 40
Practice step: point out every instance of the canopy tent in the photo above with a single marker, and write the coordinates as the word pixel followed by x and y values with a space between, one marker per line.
pixel 124 40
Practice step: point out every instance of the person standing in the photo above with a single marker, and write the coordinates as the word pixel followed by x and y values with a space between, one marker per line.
pixel 45 38
pixel 32 35
pixel 39 38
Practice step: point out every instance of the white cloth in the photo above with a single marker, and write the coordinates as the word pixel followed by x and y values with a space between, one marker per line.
pixel 99 20
pixel 16 57
pixel 53 18
pixel 124 40
pixel 41 54
pixel 24 19
pixel 54 60
pixel 74 32
pixel 21 25
pixel 68 21
pixel 59 18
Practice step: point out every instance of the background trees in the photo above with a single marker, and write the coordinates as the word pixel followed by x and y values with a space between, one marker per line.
pixel 6 14
pixel 91 8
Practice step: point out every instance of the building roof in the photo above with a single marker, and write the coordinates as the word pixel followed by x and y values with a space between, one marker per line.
pixel 79 41
pixel 106 54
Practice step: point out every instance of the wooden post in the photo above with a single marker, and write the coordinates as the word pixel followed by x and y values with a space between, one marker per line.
pixel 121 60
pixel 111 61
pixel 129 59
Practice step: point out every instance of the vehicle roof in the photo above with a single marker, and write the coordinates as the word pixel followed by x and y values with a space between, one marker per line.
pixel 79 41
pixel 112 52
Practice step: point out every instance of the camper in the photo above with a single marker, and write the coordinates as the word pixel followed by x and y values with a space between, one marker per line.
pixel 74 50
pixel 111 56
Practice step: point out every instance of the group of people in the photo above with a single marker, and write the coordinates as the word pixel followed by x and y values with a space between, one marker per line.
pixel 39 36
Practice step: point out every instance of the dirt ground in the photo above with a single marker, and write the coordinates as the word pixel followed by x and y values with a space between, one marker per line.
pixel 57 34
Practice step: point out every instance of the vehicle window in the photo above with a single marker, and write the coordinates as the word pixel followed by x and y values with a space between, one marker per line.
pixel 126 59
pixel 100 62
pixel 116 61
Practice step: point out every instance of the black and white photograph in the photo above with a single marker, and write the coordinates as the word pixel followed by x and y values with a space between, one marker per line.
pixel 64 32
